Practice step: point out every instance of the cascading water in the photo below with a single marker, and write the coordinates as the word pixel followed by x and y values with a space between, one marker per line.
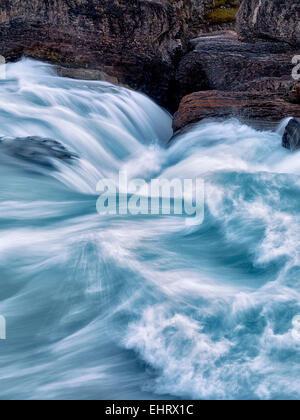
pixel 142 307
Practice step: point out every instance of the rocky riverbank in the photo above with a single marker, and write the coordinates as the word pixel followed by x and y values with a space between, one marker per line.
pixel 137 43
pixel 169 49
pixel 247 73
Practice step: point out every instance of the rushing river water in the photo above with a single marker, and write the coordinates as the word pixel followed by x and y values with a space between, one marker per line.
pixel 143 306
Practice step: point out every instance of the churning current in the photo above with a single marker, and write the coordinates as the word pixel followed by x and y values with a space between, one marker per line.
pixel 137 307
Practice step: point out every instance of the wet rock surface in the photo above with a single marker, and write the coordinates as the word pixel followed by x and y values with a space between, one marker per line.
pixel 291 137
pixel 35 150
pixel 251 107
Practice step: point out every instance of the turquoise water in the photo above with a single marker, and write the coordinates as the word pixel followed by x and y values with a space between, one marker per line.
pixel 143 306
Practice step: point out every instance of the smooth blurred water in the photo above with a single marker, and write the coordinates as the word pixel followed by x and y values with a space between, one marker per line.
pixel 143 307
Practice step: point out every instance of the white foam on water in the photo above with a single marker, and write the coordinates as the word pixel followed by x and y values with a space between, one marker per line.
pixel 142 306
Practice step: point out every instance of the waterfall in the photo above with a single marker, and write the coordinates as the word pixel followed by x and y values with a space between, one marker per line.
pixel 141 307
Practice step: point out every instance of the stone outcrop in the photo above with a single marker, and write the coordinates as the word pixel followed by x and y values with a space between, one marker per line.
pixel 223 76
pixel 35 151
pixel 222 62
pixel 248 106
pixel 136 42
pixel 270 19
pixel 291 137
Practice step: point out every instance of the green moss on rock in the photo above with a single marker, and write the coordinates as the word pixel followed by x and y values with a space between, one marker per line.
pixel 223 15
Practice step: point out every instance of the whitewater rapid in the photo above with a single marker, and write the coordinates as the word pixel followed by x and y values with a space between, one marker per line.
pixel 143 306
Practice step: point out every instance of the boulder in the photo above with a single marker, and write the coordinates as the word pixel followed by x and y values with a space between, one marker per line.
pixel 291 136
pixel 251 107
pixel 35 151
pixel 265 19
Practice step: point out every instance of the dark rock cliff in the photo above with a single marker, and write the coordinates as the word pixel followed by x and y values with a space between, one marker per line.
pixel 223 62
pixel 275 19
pixel 135 41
